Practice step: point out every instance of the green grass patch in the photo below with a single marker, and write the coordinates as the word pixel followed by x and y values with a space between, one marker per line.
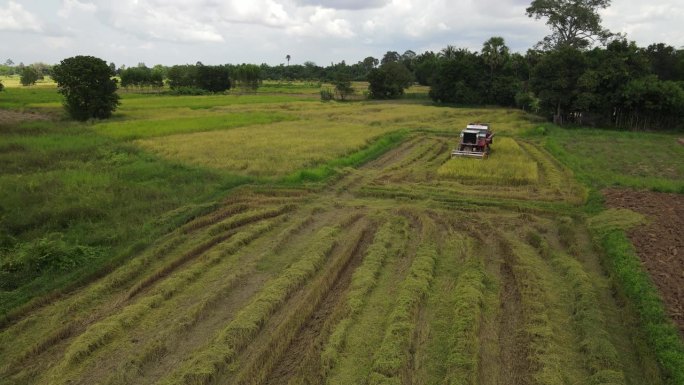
pixel 603 158
pixel 19 98
pixel 84 200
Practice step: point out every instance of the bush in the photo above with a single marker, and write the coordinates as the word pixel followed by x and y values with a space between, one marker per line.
pixel 29 76
pixel 51 253
pixel 87 85
pixel 326 95
pixel 2 86
pixel 187 90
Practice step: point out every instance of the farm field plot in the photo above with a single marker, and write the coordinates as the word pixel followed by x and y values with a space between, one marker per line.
pixel 348 283
pixel 275 239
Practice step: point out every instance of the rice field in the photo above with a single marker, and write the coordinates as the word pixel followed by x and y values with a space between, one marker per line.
pixel 353 250
pixel 508 165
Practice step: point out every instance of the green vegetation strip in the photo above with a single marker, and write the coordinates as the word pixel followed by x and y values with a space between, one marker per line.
pixel 608 231
pixel 393 354
pixel 366 154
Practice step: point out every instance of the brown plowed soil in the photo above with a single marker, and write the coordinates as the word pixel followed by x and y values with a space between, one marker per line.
pixel 660 243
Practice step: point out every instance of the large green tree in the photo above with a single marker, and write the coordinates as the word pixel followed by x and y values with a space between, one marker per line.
pixel 573 23
pixel 88 87
pixel 389 81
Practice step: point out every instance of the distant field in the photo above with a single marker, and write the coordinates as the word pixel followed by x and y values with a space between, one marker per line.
pixel 272 238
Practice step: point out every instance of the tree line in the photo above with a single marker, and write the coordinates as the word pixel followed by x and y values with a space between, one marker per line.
pixel 579 73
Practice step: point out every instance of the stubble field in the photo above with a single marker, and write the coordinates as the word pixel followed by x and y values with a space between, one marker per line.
pixel 328 243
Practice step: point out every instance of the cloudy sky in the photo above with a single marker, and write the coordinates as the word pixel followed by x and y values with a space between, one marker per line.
pixel 265 31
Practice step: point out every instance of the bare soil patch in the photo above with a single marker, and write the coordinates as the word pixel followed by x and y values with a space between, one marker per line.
pixel 660 243
pixel 8 117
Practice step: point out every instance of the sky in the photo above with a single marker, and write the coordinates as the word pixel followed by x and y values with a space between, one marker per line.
pixel 265 31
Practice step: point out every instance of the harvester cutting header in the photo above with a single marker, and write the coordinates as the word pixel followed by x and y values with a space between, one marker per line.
pixel 475 141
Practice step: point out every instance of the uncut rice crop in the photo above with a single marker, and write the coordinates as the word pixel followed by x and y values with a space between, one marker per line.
pixel 507 164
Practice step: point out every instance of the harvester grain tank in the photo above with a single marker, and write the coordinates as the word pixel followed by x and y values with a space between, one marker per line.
pixel 475 141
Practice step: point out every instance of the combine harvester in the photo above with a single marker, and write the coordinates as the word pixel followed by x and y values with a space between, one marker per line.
pixel 475 141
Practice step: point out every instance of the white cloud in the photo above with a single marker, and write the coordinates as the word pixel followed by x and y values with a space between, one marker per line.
pixel 71 6
pixel 16 18
pixel 174 21
pixel 221 31
pixel 346 4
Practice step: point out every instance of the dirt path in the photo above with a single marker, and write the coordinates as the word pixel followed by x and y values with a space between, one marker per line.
pixel 659 243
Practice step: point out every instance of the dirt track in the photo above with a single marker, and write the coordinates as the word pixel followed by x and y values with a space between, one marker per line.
pixel 660 243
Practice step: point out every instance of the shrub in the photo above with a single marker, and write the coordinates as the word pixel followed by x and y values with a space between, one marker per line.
pixel 326 95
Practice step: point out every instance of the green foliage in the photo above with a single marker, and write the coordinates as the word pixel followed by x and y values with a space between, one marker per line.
pixel 141 76
pixel 88 88
pixel 247 77
pixel 458 79
pixel 343 85
pixel 327 95
pixel 646 160
pixel 389 81
pixel 573 23
pixel 27 261
pixel 188 79
pixel 2 86
pixel 213 78
pixel 29 76
pixel 555 78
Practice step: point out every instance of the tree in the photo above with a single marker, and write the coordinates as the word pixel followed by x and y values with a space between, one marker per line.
pixel 9 62
pixel 574 23
pixel 459 79
pixel 288 57
pixel 390 57
pixel 343 85
pixel 495 53
pixel 29 76
pixel 663 60
pixel 425 67
pixel 88 88
pixel 448 53
pixel 247 76
pixel 389 81
pixel 2 86
pixel 369 63
pixel 112 67
pixel 555 81
pixel 213 78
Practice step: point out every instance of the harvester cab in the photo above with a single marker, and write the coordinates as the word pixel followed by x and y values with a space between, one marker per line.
pixel 475 141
